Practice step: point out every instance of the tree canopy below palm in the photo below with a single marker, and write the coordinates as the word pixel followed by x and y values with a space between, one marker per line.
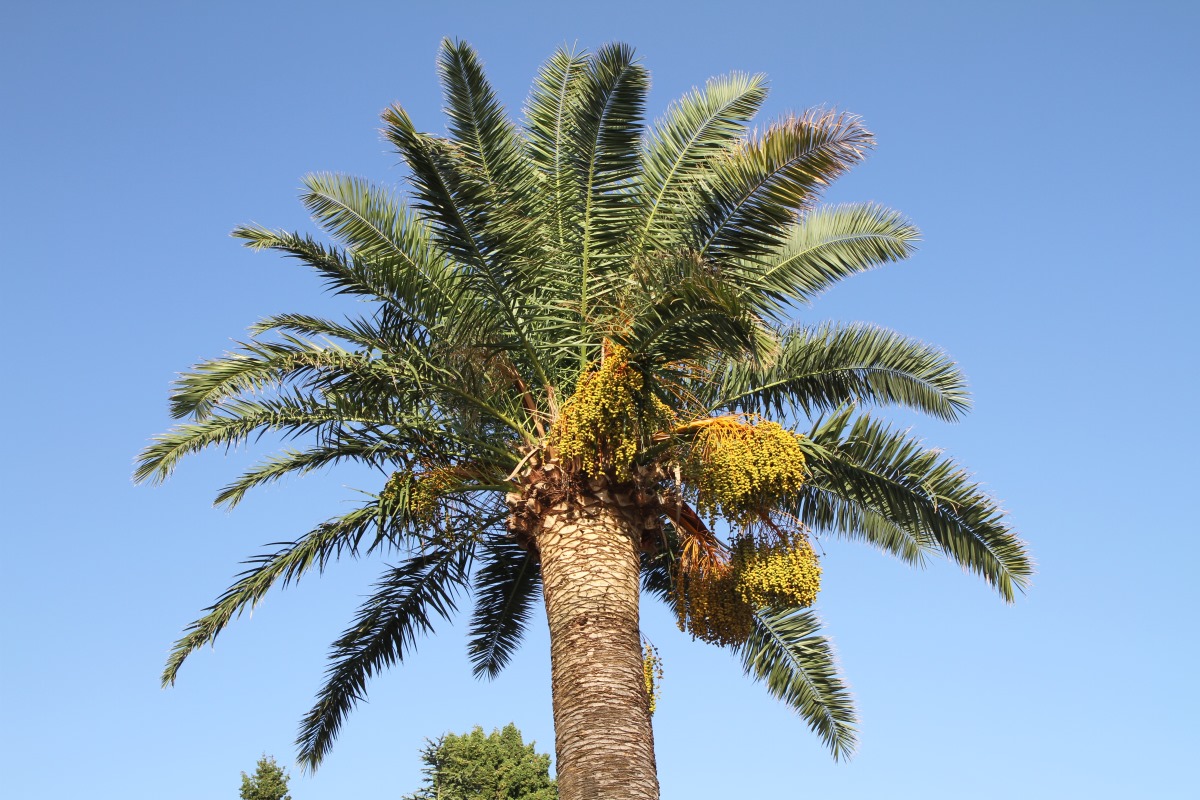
pixel 578 326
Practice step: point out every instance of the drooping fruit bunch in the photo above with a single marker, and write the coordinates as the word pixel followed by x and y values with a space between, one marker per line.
pixel 715 600
pixel 741 469
pixel 776 571
pixel 423 490
pixel 602 425
pixel 652 673
pixel 396 490
pixel 708 606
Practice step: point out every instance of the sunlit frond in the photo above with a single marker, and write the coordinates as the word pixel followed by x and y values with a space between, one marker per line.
pixel 406 601
pixel 825 367
pixel 458 214
pixel 371 451
pixel 239 420
pixel 550 115
pixel 316 549
pixel 607 133
pixel 825 511
pixel 786 652
pixel 364 278
pixel 693 318
pixel 682 148
pixel 825 246
pixel 497 186
pixel 890 472
pixel 755 193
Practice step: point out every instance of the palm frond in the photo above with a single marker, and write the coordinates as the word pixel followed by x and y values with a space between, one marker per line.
pixel 694 317
pixel 458 214
pixel 316 549
pixel 258 365
pixel 680 151
pixel 372 451
pixel 753 196
pixel 607 132
pixel 505 588
pixel 786 652
pixel 377 228
pixel 550 114
pixel 238 421
pixel 823 368
pixel 920 490
pixel 371 222
pixel 366 334
pixel 385 630
pixel 343 273
pixel 823 510
pixel 500 185
pixel 825 246
pixel 432 183
pixel 488 142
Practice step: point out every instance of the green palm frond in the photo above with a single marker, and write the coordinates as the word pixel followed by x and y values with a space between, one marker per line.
pixel 488 143
pixel 457 213
pixel 380 341
pixel 300 386
pixel 386 238
pixel 692 317
pixel 343 274
pixel 372 451
pixel 680 151
pixel 752 198
pixel 432 181
pixel 402 368
pixel 822 509
pixel 888 471
pixel 505 586
pixel 365 334
pixel 607 133
pixel 827 245
pixel 374 225
pixel 255 367
pixel 550 114
pixel 823 368
pixel 316 549
pixel 239 420
pixel 385 630
pixel 497 181
pixel 786 652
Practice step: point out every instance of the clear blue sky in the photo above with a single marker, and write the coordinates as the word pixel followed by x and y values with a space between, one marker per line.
pixel 1048 152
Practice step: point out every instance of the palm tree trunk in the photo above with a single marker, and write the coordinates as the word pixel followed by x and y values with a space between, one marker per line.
pixel 590 577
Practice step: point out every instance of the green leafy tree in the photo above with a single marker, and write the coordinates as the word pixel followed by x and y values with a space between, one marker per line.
pixel 269 782
pixel 478 766
pixel 578 370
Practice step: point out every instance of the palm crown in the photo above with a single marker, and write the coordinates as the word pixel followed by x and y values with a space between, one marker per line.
pixel 576 308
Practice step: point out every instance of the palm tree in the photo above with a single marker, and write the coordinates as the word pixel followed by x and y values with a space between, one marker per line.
pixel 579 374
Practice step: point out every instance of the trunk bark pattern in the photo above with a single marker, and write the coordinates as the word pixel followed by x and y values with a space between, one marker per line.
pixel 590 576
